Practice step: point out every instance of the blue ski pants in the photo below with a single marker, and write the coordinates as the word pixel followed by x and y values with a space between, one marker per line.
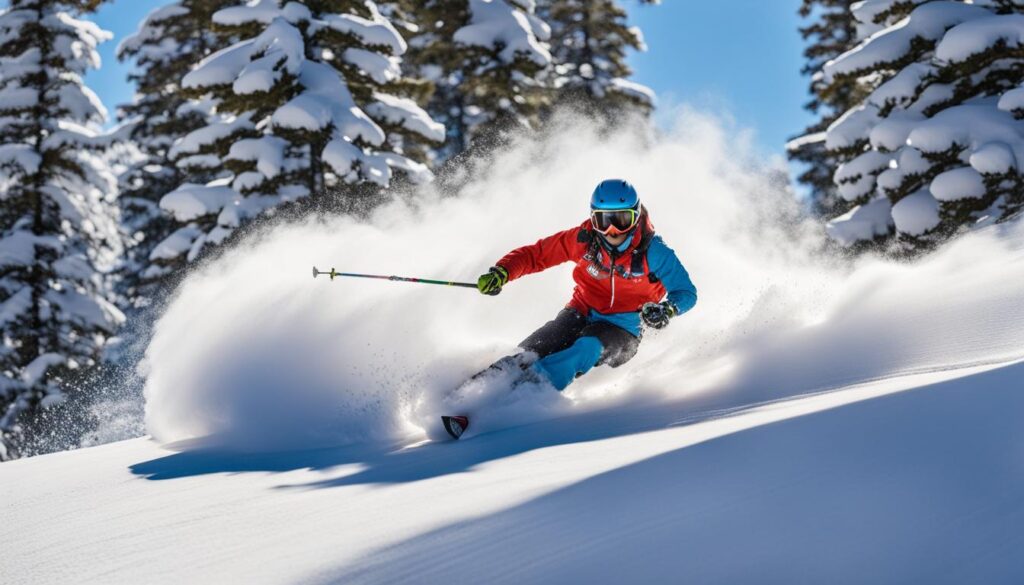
pixel 570 345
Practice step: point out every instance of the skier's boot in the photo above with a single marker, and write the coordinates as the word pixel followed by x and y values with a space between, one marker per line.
pixel 513 370
pixel 509 364
pixel 528 375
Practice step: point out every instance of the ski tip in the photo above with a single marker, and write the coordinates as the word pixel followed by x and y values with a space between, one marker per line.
pixel 455 425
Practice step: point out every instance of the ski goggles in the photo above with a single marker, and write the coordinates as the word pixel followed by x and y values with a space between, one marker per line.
pixel 614 222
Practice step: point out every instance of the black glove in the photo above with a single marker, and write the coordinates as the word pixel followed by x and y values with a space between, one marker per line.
pixel 656 315
pixel 491 283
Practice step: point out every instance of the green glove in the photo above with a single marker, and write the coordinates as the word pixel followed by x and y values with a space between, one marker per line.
pixel 491 283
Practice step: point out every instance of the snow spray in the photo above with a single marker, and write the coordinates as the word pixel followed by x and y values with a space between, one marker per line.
pixel 252 353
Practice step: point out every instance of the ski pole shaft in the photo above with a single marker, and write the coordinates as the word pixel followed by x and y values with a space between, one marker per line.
pixel 335 274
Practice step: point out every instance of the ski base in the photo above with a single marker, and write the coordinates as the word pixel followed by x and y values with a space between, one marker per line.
pixel 455 425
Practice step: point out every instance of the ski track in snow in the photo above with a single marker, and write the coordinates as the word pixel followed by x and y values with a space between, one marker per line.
pixel 809 421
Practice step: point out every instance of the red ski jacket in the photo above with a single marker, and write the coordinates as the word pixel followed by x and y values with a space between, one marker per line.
pixel 608 283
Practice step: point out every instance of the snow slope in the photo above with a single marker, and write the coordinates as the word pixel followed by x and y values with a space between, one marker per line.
pixel 909 480
pixel 811 421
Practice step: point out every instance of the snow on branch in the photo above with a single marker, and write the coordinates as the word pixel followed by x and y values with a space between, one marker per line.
pixel 496 25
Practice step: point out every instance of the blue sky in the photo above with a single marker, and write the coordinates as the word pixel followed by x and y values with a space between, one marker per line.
pixel 740 56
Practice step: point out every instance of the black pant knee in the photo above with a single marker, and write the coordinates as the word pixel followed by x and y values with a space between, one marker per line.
pixel 555 335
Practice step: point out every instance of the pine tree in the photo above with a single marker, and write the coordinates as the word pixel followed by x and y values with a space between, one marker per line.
pixel 486 60
pixel 58 219
pixel 308 106
pixel 168 43
pixel 589 41
pixel 831 32
pixel 934 148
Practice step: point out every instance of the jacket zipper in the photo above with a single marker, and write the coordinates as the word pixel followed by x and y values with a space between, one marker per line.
pixel 612 304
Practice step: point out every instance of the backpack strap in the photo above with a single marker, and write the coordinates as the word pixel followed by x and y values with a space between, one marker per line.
pixel 640 252
pixel 593 244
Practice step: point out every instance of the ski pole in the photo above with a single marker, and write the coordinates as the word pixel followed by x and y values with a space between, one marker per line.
pixel 333 273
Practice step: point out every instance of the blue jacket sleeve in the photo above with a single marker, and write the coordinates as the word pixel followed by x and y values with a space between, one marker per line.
pixel 664 263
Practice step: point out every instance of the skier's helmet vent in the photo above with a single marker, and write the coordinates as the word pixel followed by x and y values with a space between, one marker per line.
pixel 614 194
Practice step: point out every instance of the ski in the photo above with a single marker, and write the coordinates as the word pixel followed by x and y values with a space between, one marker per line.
pixel 455 425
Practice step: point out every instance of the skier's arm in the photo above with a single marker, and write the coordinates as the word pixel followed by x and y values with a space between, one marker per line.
pixel 547 252
pixel 664 263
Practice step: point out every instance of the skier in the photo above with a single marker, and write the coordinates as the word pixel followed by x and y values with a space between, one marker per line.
pixel 625 275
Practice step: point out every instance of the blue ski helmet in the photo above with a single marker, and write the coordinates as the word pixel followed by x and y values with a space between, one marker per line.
pixel 614 194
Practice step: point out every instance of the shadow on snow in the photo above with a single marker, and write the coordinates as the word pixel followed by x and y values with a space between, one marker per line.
pixel 925 485
pixel 391 463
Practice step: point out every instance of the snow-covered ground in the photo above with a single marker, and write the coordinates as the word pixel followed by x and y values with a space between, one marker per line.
pixel 809 422
pixel 911 480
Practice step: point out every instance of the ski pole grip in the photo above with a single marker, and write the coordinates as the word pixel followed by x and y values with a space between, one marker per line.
pixel 331 274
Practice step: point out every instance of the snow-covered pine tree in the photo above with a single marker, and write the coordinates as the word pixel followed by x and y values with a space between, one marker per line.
pixel 58 216
pixel 407 84
pixel 830 32
pixel 589 41
pixel 167 44
pixel 486 60
pixel 307 106
pixel 937 145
